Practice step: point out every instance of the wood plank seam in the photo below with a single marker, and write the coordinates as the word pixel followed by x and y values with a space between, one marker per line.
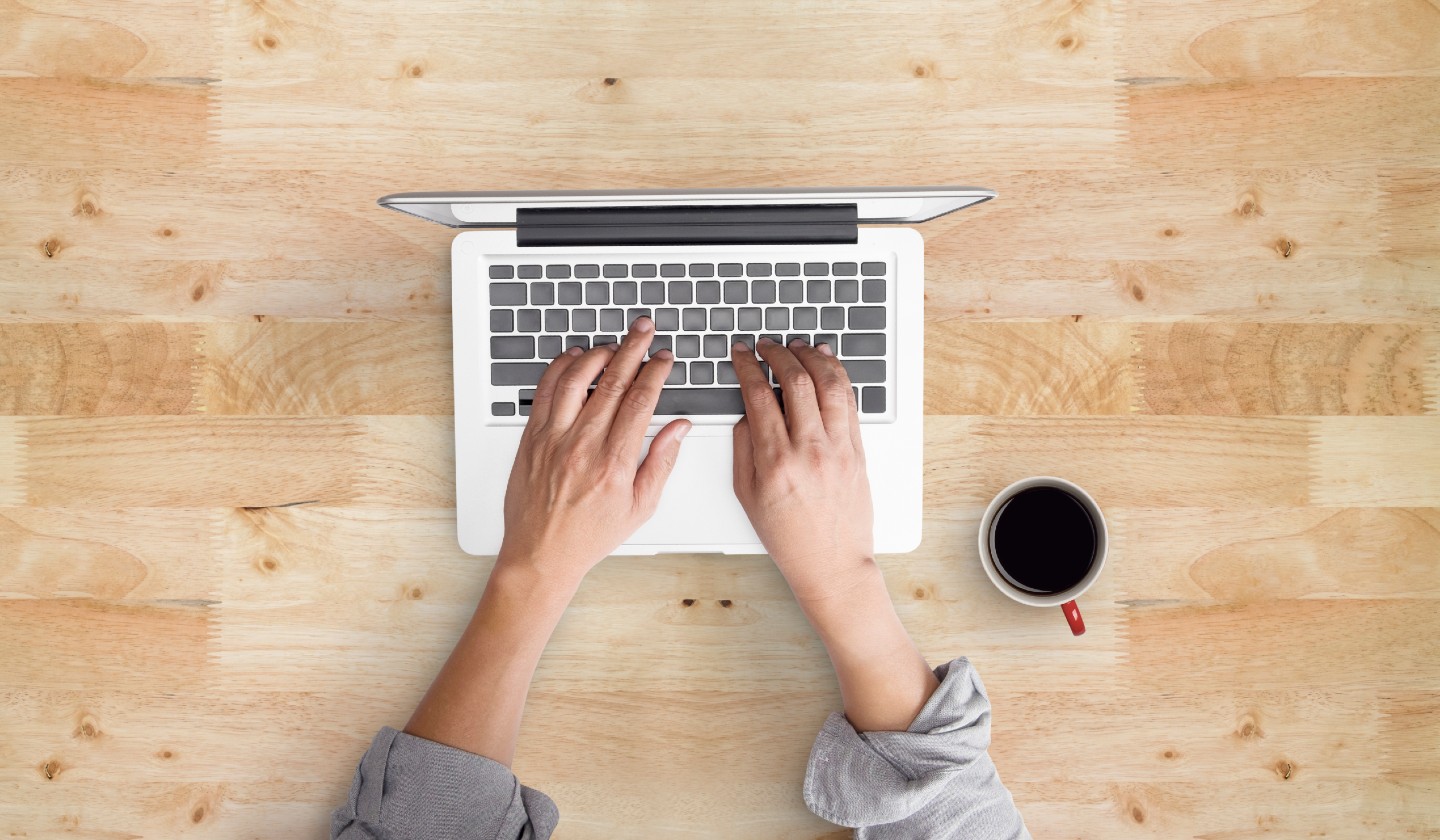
pixel 14 457
pixel 1432 372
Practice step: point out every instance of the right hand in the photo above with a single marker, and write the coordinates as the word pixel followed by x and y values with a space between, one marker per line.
pixel 800 474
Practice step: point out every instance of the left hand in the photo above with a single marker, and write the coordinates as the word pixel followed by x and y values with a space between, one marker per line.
pixel 578 489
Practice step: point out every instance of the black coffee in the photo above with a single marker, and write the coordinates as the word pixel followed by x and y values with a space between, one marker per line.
pixel 1043 540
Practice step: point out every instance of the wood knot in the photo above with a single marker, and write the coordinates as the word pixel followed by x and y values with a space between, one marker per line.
pixel 415 594
pixel 165 232
pixel 87 729
pixel 266 42
pixel 920 593
pixel 51 247
pixel 1248 207
pixel 1284 769
pixel 87 208
pixel 1284 247
pixel 1249 728
pixel 198 292
pixel 611 81
pixel 165 755
pixel 1137 813
pixel 726 603
pixel 414 70
pixel 198 814
pixel 688 602
pixel 922 69
pixel 50 769
pixel 1169 233
pixel 1170 754
pixel 1069 42
pixel 1138 292
pixel 268 564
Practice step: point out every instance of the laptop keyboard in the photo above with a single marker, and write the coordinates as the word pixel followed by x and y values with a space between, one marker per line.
pixel 539 310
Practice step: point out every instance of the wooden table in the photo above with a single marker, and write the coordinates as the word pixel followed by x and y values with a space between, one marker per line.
pixel 1209 292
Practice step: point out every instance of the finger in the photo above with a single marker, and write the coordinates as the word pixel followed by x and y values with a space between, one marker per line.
pixel 744 458
pixel 855 439
pixel 619 376
pixel 637 408
pixel 802 413
pixel 658 464
pixel 573 385
pixel 832 389
pixel 545 391
pixel 767 424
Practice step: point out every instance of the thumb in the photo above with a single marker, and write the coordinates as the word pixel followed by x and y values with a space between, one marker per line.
pixel 650 478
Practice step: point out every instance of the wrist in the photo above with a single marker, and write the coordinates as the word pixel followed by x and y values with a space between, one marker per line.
pixel 826 579
pixel 520 578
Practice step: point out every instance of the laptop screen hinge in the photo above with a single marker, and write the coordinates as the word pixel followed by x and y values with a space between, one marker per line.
pixel 754 224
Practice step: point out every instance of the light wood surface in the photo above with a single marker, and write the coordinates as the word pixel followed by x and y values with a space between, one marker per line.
pixel 1209 292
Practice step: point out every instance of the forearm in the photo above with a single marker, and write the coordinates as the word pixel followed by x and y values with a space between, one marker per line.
pixel 884 681
pixel 476 701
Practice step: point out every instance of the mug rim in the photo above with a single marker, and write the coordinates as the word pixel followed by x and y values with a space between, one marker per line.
pixel 1102 548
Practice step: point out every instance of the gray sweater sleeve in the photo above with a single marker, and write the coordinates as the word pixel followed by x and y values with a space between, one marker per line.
pixel 934 780
pixel 408 787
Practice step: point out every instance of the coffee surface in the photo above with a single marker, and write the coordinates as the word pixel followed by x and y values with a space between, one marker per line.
pixel 1043 540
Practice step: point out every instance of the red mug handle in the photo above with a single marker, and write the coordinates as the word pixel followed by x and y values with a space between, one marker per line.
pixel 1072 615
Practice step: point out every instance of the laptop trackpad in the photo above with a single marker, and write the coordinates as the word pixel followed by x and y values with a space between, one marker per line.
pixel 699 508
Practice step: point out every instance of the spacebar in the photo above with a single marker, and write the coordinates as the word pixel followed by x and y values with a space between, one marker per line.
pixel 700 401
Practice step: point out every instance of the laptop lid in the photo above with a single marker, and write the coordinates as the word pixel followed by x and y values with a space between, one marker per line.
pixel 873 205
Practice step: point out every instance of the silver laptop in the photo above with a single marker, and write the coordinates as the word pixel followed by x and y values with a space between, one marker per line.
pixel 537 273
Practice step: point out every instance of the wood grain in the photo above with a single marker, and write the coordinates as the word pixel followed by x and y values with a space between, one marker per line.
pixel 1209 292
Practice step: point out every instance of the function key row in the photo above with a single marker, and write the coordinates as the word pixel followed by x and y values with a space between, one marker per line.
pixel 690 319
pixel 564 271
pixel 686 292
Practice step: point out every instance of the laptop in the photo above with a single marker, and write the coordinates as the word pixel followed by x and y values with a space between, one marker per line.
pixel 535 273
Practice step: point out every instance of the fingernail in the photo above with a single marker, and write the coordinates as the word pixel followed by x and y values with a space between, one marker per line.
pixel 613 348
pixel 825 348
pixel 765 340
pixel 574 351
pixel 662 354
pixel 684 430
pixel 739 345
pixel 644 324
pixel 797 343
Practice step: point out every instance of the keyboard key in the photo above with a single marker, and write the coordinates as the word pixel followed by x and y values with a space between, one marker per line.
pixel 516 373
pixel 612 320
pixel 652 292
pixel 581 341
pixel 817 269
pixel 597 293
pixel 528 320
pixel 762 291
pixel 863 344
pixel 847 291
pixel 687 346
pixel 722 318
pixel 605 339
pixel 750 318
pixel 708 291
pixel 661 342
pixel 672 270
pixel 557 271
pixel 507 294
pixel 587 270
pixel 828 338
pixel 775 337
pixel 512 347
pixel 693 318
pixel 632 314
pixel 817 291
pixel 502 409
pixel 867 317
pixel 550 346
pixel 542 294
pixel 755 269
pixel 864 371
pixel 569 294
pixel 792 291
pixel 747 339
pixel 502 320
pixel 667 319
pixel 872 399
pixel 806 318
pixel 681 292
pixel 844 269
pixel 625 293
pixel 530 272
pixel 873 269
pixel 700 400
pixel 582 320
pixel 803 338
pixel 872 291
pixel 725 373
pixel 731 269
pixel 677 374
pixel 832 317
pixel 777 318
pixel 701 373
pixel 702 269
pixel 557 320
pixel 525 410
pixel 787 270
pixel 502 272
pixel 616 270
pixel 642 270
pixel 716 347
pixel 736 291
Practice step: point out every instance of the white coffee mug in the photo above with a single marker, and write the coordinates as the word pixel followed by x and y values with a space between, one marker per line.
pixel 1066 599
